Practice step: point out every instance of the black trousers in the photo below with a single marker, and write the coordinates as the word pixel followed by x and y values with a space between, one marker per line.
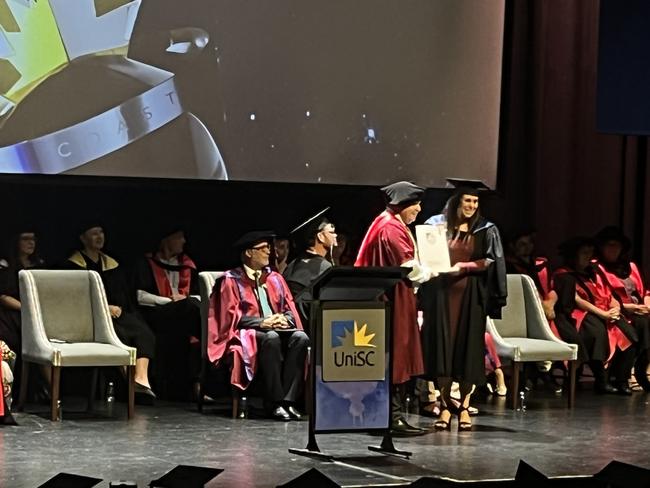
pixel 281 364
pixel 134 331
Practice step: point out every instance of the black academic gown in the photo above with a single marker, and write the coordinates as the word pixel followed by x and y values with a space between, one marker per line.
pixel 485 294
pixel 130 327
pixel 299 275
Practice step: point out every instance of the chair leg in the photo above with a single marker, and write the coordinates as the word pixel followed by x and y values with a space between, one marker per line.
pixel 93 389
pixel 573 366
pixel 235 403
pixel 55 407
pixel 514 386
pixel 24 385
pixel 130 372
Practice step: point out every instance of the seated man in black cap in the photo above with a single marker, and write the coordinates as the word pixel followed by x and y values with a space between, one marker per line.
pixel 129 326
pixel 253 325
pixel 167 291
pixel 315 239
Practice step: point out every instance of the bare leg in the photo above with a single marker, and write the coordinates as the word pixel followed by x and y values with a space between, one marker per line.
pixel 445 401
pixel 501 388
pixel 464 420
pixel 141 372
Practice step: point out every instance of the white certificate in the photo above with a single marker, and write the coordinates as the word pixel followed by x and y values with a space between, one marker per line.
pixel 432 247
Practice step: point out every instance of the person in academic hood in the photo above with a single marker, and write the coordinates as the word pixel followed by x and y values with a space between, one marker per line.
pixel 389 242
pixel 129 325
pixel 455 305
pixel 254 327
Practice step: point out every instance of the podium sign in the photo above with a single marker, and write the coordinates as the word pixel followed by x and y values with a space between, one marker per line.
pixel 354 345
pixel 352 368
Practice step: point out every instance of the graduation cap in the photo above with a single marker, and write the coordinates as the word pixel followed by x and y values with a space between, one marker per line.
pixel 312 479
pixel 529 477
pixel 87 224
pixel 469 187
pixel 613 233
pixel 570 247
pixel 251 238
pixel 402 192
pixel 66 480
pixel 183 476
pixel 618 474
pixel 306 231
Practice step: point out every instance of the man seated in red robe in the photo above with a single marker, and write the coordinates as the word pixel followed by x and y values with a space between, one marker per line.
pixel 389 242
pixel 254 326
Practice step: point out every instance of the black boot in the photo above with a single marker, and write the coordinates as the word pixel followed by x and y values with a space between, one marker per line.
pixel 601 382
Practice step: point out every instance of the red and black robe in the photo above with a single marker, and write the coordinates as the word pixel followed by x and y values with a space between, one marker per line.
pixel 389 242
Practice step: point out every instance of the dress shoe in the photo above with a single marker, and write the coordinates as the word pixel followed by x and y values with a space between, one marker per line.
pixel 144 395
pixel 603 388
pixel 399 427
pixel 279 413
pixel 623 388
pixel 293 412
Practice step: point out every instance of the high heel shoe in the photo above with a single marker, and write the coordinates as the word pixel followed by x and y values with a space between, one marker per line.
pixel 464 426
pixel 441 423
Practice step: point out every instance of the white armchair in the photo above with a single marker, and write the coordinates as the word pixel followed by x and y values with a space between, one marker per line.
pixel 207 279
pixel 523 334
pixel 66 323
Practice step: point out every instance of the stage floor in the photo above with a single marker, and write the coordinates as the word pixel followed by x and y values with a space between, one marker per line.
pixel 253 452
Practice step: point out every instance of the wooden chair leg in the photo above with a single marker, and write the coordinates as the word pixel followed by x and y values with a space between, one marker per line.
pixel 55 407
pixel 573 366
pixel 24 386
pixel 92 390
pixel 235 402
pixel 514 386
pixel 130 372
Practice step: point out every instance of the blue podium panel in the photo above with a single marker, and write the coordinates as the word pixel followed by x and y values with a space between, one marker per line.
pixel 352 368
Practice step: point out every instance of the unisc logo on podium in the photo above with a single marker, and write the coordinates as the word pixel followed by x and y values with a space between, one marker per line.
pixel 354 346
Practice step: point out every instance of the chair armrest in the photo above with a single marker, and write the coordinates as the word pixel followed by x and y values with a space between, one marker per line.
pixel 35 343
pixel 537 324
pixel 504 348
pixel 102 322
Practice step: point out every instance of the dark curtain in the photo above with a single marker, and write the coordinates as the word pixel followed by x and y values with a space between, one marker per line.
pixel 558 173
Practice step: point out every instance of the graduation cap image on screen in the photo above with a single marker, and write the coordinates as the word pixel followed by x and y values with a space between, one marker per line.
pixel 183 476
pixel 458 183
pixel 66 480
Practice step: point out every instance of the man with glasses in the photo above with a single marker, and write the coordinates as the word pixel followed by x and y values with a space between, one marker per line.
pixel 314 239
pixel 254 322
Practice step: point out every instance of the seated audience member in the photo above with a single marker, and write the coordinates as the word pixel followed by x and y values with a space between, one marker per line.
pixel 315 240
pixel 253 326
pixel 522 259
pixel 21 255
pixel 280 254
pixel 7 358
pixel 129 326
pixel 167 291
pixel 623 276
pixel 588 315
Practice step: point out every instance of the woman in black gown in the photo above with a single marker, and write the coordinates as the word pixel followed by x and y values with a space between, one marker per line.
pixel 455 305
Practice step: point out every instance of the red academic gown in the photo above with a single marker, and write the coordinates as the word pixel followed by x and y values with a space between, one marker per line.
pixel 618 286
pixel 233 297
pixel 389 242
pixel 598 293
pixel 2 394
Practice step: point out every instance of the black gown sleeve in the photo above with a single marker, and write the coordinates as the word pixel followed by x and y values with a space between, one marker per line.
pixel 497 279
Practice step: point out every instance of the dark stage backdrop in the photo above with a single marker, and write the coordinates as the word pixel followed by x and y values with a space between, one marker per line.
pixel 313 91
pixel 557 174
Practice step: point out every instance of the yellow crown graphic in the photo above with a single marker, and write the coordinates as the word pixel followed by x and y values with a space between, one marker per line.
pixel 40 37
pixel 358 337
